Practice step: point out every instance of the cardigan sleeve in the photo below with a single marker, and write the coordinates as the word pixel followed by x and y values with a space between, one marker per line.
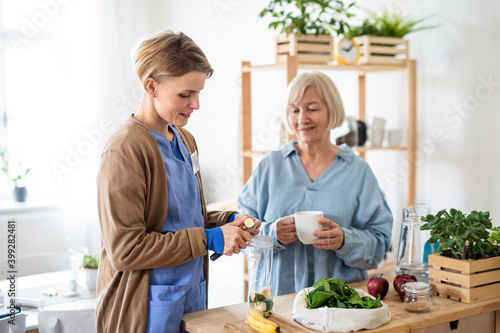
pixel 130 242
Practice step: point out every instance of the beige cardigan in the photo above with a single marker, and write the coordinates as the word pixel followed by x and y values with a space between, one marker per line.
pixel 132 202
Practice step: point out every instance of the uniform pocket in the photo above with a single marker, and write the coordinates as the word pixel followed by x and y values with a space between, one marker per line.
pixel 165 308
pixel 196 298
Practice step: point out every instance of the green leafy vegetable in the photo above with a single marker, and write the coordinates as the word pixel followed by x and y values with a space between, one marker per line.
pixel 333 293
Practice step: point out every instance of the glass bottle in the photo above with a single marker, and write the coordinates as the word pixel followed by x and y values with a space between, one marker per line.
pixel 260 262
pixel 412 241
pixel 418 296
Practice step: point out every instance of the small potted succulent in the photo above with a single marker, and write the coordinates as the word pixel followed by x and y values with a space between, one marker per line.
pixel 468 266
pixel 307 26
pixel 17 176
pixel 91 264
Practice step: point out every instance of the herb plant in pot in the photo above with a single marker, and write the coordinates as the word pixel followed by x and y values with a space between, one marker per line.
pixel 18 175
pixel 380 36
pixel 306 27
pixel 468 268
pixel 91 264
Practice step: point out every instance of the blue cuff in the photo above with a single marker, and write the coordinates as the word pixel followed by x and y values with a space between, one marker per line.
pixel 231 218
pixel 215 240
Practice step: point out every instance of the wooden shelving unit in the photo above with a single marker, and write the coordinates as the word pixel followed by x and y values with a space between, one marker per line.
pixel 291 67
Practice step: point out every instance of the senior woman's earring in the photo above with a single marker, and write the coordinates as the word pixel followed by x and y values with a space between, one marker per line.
pixel 153 96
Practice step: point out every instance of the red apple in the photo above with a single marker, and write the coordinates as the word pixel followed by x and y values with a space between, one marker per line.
pixel 378 286
pixel 399 282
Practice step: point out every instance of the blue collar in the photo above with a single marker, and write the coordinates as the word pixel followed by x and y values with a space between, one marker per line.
pixel 346 153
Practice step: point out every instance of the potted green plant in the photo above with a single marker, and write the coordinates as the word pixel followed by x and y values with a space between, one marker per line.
pixel 306 27
pixel 380 36
pixel 468 266
pixel 91 265
pixel 17 176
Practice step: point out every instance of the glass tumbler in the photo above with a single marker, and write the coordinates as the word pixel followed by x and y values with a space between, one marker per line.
pixel 260 262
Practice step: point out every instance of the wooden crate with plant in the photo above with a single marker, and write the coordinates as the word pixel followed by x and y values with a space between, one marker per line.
pixel 468 268
pixel 306 27
pixel 380 37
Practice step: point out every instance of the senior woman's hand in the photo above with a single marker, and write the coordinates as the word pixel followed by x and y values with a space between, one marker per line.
pixel 331 237
pixel 285 230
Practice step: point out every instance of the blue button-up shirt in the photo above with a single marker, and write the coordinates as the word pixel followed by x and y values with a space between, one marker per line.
pixel 347 192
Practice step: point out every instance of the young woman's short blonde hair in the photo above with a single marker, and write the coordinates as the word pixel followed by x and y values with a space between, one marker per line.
pixel 169 53
pixel 326 90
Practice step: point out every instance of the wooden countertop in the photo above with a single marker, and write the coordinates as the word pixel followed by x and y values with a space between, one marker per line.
pixel 445 310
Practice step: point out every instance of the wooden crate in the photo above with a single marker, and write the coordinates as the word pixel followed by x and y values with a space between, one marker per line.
pixel 382 50
pixel 310 49
pixel 468 281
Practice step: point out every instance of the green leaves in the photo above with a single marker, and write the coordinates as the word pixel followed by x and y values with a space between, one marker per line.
pixel 333 293
pixel 90 261
pixel 390 23
pixel 466 236
pixel 18 173
pixel 309 16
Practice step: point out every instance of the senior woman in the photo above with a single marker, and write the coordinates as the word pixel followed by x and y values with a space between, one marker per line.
pixel 155 229
pixel 314 174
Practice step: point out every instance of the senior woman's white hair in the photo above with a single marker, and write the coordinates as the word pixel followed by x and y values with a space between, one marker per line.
pixel 326 90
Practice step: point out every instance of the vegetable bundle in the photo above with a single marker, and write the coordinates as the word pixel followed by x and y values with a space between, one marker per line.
pixel 333 293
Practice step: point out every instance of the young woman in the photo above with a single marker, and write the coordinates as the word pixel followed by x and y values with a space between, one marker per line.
pixel 155 229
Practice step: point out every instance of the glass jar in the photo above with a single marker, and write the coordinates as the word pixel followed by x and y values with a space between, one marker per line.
pixel 418 296
pixel 260 262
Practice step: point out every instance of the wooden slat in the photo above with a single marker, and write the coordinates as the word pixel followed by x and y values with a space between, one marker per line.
pixel 357 68
pixel 387 50
pixel 467 266
pixel 250 153
pixel 362 103
pixel 292 63
pixel 467 281
pixel 437 260
pixel 325 48
pixel 381 60
pixel 472 295
pixel 246 120
pixel 305 58
pixel 412 132
pixel 379 40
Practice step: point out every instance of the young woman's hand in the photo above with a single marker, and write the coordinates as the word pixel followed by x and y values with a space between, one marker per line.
pixel 235 238
pixel 240 219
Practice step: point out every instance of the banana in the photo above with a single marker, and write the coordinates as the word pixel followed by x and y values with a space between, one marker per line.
pixel 261 324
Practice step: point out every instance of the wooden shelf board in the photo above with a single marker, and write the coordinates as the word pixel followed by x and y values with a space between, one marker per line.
pixel 250 153
pixel 358 68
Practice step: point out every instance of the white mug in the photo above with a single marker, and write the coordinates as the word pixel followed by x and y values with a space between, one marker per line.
pixel 306 223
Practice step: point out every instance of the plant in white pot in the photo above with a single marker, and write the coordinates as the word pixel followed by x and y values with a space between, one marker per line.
pixel 91 264
pixel 17 176
pixel 307 26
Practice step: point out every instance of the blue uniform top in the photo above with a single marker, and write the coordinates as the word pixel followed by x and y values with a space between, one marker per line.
pixel 179 289
pixel 348 194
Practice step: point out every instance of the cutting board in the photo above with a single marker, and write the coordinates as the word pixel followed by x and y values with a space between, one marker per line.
pixel 286 326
